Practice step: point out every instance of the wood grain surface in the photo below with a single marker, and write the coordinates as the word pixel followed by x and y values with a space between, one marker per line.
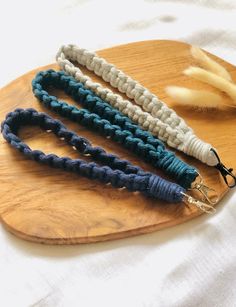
pixel 51 206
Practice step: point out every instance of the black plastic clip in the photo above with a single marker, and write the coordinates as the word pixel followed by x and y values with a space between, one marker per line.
pixel 225 172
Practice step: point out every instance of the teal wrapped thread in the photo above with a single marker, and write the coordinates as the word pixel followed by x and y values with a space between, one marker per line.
pixel 108 121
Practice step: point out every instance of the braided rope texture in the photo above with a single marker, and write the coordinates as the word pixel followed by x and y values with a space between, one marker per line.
pixel 108 121
pixel 157 117
pixel 120 173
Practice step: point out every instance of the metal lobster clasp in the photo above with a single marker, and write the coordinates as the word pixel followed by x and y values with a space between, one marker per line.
pixel 199 204
pixel 208 193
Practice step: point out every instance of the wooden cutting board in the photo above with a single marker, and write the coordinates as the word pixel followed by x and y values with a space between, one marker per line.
pixel 51 206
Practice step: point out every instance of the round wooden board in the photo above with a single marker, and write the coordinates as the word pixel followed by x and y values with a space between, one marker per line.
pixel 51 206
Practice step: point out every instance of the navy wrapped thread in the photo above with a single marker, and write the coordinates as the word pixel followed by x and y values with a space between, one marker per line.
pixel 120 173
pixel 103 118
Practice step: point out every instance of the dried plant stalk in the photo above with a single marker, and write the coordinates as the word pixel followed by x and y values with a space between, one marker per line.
pixel 209 64
pixel 195 98
pixel 216 81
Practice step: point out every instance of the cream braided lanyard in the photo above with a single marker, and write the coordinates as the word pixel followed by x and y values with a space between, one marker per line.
pixel 157 118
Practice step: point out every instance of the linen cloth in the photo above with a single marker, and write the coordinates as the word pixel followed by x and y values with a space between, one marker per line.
pixel 192 264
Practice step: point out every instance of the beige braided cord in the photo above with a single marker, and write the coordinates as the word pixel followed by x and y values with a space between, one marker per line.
pixel 154 116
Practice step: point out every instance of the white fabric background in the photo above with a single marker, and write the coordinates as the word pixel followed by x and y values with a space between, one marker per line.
pixel 189 265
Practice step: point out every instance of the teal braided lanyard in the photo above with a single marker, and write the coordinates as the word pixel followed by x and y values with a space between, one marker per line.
pixel 108 121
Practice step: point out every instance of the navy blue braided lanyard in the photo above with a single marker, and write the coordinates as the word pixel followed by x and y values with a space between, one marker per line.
pixel 103 118
pixel 120 173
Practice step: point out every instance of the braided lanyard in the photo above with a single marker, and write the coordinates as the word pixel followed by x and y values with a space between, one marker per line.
pixel 120 173
pixel 157 118
pixel 108 121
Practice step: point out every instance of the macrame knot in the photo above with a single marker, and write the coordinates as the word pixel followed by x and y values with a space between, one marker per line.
pixel 162 189
pixel 202 151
